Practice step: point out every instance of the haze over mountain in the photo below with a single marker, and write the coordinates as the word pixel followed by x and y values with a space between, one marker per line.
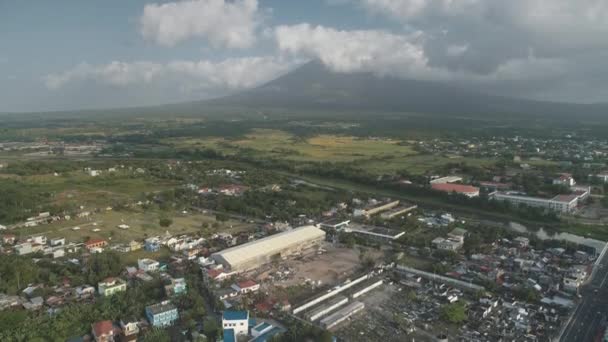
pixel 313 86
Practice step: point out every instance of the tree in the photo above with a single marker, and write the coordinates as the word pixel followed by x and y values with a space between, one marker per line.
pixel 454 312
pixel 210 328
pixel 165 222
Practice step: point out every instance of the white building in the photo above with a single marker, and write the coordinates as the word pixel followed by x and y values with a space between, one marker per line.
pixel 444 180
pixel 559 203
pixel 148 265
pixel 564 179
pixel 237 321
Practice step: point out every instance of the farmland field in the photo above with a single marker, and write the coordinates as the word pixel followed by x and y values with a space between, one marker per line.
pixel 376 155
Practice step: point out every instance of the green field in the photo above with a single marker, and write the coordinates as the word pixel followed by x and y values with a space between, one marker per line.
pixel 141 224
pixel 376 155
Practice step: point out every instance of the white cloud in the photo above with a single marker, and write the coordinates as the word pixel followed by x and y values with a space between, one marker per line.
pixel 360 50
pixel 222 23
pixel 206 76
pixel 385 53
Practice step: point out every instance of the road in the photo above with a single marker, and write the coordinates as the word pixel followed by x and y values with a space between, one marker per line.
pixel 591 313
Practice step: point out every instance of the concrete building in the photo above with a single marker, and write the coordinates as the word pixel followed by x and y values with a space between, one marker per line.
pixel 162 314
pixel 237 321
pixel 341 315
pixel 334 224
pixel 323 310
pixel 375 208
pixel 446 180
pixel 400 210
pixel 256 253
pixel 110 286
pixel 375 233
pixel 559 203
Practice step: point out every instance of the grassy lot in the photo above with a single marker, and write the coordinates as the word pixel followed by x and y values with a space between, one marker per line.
pixel 318 148
pixel 418 164
pixel 372 154
pixel 79 189
pixel 142 224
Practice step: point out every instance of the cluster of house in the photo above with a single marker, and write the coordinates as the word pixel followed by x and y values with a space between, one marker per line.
pixel 162 314
pixel 56 247
pixel 489 317
pixel 226 190
pixel 552 273
pixel 590 153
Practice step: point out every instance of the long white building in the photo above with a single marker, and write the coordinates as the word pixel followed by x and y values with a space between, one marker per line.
pixel 559 203
pixel 256 253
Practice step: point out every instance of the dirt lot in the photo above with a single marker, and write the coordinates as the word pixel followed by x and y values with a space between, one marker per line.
pixel 330 267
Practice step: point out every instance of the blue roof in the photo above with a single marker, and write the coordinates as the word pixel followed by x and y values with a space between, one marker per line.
pixel 267 336
pixel 229 335
pixel 235 315
pixel 252 322
pixel 262 326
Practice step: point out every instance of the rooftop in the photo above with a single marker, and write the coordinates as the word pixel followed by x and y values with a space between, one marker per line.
pixel 102 328
pixel 161 307
pixel 461 188
pixel 235 315
pixel 270 245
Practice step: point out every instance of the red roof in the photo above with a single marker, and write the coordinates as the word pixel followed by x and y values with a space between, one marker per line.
pixel 450 187
pixel 95 241
pixel 214 273
pixel 103 328
pixel 565 198
pixel 247 283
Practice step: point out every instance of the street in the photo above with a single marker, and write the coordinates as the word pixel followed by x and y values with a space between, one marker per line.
pixel 590 315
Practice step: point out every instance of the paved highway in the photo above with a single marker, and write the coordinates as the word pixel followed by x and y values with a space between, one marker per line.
pixel 590 315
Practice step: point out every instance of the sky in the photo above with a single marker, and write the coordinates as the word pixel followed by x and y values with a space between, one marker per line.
pixel 74 54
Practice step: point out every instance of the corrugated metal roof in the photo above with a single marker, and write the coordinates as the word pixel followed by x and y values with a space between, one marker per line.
pixel 270 245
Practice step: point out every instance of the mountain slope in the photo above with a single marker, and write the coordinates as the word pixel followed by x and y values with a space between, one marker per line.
pixel 312 86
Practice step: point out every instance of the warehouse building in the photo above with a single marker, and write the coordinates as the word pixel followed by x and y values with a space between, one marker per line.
pixel 262 251
pixel 342 315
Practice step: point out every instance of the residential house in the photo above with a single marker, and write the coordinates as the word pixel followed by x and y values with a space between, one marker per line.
pixel 162 314
pixel 110 286
pixel 8 239
pixel 103 331
pixel 129 330
pixel 148 265
pixel 176 287
pixel 246 286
